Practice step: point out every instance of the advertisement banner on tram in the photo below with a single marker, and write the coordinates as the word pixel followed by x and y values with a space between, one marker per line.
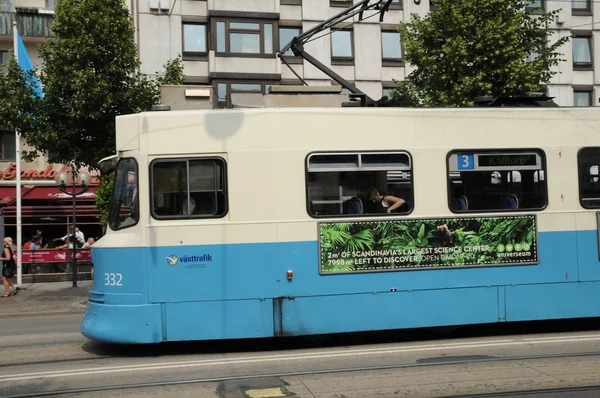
pixel 371 246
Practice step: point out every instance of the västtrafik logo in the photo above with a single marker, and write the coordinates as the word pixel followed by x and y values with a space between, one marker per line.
pixel 172 260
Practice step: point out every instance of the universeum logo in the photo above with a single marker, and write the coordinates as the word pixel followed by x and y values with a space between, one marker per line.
pixel 172 260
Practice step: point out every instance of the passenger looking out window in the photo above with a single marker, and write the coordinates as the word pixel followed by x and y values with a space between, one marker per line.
pixel 359 183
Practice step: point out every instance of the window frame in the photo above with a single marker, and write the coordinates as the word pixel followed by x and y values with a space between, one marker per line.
pixel 261 32
pixel 290 59
pixel 399 5
pixel 337 60
pixel 215 83
pixel 536 10
pixel 544 168
pixel 193 55
pixel 579 179
pixel 189 216
pixel 8 133
pixel 359 152
pixel 392 61
pixel 590 94
pixel 582 11
pixel 4 65
pixel 340 3
pixel 291 2
pixel 137 176
pixel 583 65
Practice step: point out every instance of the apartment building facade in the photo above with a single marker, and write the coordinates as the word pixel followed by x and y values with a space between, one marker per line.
pixel 232 44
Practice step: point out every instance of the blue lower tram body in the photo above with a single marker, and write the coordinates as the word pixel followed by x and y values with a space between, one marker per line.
pixel 144 295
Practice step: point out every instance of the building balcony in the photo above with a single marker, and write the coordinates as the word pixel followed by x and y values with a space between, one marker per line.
pixel 31 22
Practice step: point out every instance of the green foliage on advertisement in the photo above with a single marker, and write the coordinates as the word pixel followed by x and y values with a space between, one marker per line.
pixel 368 246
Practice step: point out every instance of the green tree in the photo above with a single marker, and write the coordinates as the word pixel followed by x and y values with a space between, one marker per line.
pixel 470 48
pixel 173 74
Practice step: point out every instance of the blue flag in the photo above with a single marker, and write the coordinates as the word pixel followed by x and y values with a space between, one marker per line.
pixel 25 63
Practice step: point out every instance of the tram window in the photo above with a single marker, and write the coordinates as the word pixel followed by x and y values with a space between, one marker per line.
pixel 188 188
pixel 588 161
pixel 339 184
pixel 124 205
pixel 504 180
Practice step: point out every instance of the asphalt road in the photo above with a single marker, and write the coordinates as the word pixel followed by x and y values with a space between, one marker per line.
pixel 48 354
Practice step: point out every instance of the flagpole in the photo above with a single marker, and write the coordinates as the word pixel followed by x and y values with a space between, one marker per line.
pixel 18 193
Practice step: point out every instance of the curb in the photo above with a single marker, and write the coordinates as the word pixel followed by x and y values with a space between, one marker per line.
pixel 78 307
pixel 47 313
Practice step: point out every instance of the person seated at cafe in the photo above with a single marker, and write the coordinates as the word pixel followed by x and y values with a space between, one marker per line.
pixel 78 234
pixel 72 241
pixel 36 243
pixel 88 244
pixel 27 245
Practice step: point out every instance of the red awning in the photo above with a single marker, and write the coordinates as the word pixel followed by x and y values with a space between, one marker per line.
pixel 29 192
pixel 53 193
pixel 50 211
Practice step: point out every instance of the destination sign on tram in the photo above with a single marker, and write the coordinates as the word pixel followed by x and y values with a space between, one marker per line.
pixel 495 160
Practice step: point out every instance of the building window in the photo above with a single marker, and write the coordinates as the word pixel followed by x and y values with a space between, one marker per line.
pixel 5 6
pixel 286 34
pixel 340 3
pixel 581 5
pixel 487 180
pixel 582 53
pixel 244 37
pixel 582 98
pixel 51 4
pixel 4 60
pixel 8 146
pixel 341 46
pixel 391 46
pixel 535 5
pixel 588 160
pixel 188 188
pixel 291 2
pixel 224 89
pixel 340 184
pixel 194 38
pixel 396 5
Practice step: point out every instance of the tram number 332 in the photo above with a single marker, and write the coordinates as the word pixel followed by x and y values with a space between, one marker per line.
pixel 112 279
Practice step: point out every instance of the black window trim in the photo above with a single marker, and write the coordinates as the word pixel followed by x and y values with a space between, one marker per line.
pixel 261 32
pixel 5 131
pixel 341 60
pixel 137 176
pixel 580 188
pixel 540 151
pixel 194 55
pixel 582 11
pixel 350 152
pixel 590 40
pixel 385 61
pixel 195 216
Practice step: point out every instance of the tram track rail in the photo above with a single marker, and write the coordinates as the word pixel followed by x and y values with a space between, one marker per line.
pixel 445 362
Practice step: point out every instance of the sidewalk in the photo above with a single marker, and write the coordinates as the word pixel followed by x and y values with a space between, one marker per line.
pixel 52 298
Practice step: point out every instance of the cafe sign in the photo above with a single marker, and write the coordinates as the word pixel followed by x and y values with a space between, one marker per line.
pixel 10 173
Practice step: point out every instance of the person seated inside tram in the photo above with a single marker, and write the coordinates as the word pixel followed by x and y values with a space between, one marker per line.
pixel 385 203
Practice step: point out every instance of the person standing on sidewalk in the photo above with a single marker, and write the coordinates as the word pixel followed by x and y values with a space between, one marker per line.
pixel 8 267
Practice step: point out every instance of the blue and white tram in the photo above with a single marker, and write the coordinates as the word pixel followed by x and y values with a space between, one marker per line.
pixel 258 223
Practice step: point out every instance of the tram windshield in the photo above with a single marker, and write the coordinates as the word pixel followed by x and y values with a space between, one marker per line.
pixel 124 205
